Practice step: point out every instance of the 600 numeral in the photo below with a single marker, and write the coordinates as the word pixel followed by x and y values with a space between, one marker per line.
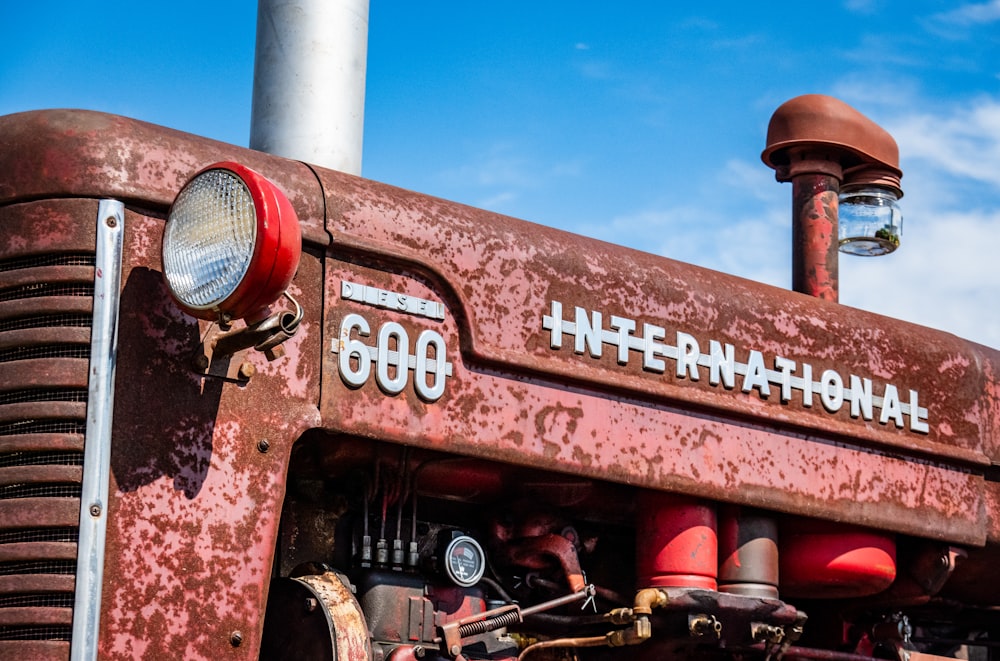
pixel 392 358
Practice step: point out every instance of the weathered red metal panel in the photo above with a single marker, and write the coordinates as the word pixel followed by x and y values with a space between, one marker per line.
pixel 58 153
pixel 194 500
pixel 198 472
pixel 514 397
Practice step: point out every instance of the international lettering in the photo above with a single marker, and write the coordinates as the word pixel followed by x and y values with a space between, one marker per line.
pixel 684 356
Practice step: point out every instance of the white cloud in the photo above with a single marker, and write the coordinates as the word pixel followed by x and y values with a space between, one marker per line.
pixel 744 232
pixel 496 202
pixel 940 277
pixel 943 274
pixel 962 143
pixel 498 176
pixel 958 24
pixel 499 165
pixel 972 14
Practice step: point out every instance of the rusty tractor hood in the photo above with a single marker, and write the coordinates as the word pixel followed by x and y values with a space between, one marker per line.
pixel 593 359
pixel 579 356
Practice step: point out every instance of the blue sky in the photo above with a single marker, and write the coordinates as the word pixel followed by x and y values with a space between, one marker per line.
pixel 637 123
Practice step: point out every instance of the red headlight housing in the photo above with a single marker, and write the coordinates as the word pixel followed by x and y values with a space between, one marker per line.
pixel 231 244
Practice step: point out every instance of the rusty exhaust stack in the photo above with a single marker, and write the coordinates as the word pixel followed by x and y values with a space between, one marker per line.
pixel 830 151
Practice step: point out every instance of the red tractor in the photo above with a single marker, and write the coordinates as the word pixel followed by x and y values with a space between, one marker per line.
pixel 252 408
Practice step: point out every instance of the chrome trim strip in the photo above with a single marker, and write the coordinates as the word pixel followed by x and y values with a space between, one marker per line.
pixel 97 449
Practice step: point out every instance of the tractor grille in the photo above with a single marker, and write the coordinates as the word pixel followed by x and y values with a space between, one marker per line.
pixel 45 317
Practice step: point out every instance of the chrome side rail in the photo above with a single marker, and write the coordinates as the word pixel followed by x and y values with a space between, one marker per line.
pixel 97 449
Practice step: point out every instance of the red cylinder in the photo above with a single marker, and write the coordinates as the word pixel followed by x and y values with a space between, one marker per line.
pixel 677 546
pixel 748 553
pixel 835 561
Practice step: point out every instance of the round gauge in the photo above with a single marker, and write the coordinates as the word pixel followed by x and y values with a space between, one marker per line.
pixel 464 561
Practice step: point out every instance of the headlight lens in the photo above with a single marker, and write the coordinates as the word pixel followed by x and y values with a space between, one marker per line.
pixel 209 239
pixel 231 244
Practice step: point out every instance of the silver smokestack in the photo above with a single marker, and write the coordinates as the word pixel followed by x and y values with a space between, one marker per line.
pixel 309 81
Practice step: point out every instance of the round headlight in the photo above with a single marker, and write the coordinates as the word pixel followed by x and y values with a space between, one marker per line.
pixel 231 243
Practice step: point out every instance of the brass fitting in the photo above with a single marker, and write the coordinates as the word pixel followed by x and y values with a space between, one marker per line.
pixel 648 599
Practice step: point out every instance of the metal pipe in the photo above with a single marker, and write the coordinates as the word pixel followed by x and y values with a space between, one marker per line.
pixel 593 641
pixel 748 552
pixel 309 81
pixel 821 654
pixel 814 235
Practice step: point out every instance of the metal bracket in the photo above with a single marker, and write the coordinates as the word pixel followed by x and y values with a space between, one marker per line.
pixel 213 357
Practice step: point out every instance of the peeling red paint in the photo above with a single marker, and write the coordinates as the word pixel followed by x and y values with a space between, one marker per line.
pixel 779 455
pixel 195 503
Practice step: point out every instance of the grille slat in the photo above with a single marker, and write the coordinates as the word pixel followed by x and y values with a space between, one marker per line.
pixel 40 583
pixel 30 616
pixel 51 306
pixel 44 374
pixel 13 476
pixel 40 443
pixel 40 411
pixel 27 339
pixel 46 303
pixel 20 552
pixel 40 512
pixel 33 282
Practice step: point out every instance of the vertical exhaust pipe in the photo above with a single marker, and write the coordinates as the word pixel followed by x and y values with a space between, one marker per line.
pixel 827 148
pixel 309 81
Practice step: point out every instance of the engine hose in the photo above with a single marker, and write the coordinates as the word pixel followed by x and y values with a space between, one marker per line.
pixel 594 641
pixel 490 624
